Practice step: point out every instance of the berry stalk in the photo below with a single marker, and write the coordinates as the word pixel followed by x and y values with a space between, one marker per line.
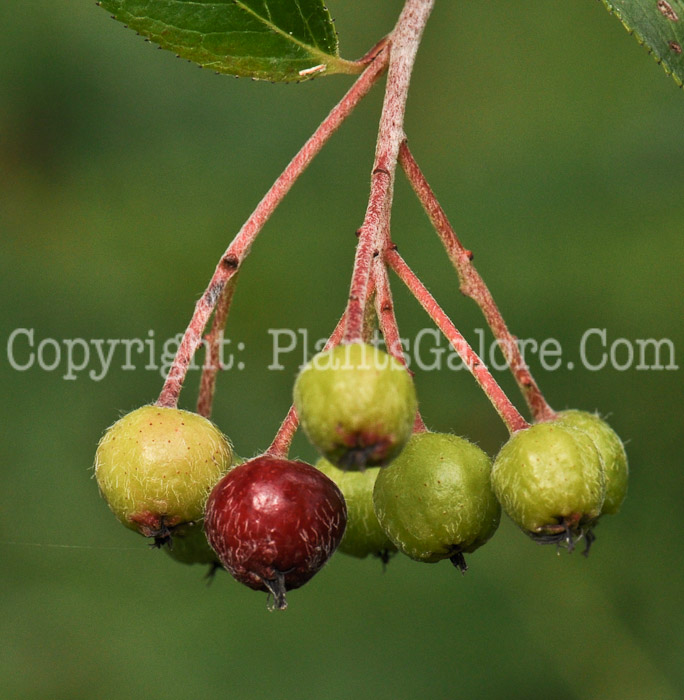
pixel 472 285
pixel 238 250
pixel 404 42
pixel 508 412
pixel 212 361
pixel 384 308
pixel 280 447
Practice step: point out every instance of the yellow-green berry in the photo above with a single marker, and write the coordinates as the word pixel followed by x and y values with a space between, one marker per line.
pixel 356 404
pixel 550 481
pixel 610 448
pixel 156 466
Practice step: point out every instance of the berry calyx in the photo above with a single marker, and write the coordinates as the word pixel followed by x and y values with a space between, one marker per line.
pixel 156 466
pixel 435 500
pixel 364 536
pixel 610 448
pixel 550 481
pixel 274 523
pixel 356 404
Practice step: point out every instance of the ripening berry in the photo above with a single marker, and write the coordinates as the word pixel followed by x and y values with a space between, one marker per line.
pixel 435 500
pixel 363 535
pixel 188 545
pixel 610 448
pixel 274 523
pixel 550 481
pixel 156 466
pixel 357 405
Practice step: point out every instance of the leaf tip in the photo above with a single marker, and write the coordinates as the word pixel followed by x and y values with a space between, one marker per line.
pixel 666 53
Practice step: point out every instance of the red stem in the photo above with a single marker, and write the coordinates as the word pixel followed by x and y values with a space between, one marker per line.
pixel 239 248
pixel 280 446
pixel 404 42
pixel 212 361
pixel 473 286
pixel 384 308
pixel 370 321
pixel 372 53
pixel 508 412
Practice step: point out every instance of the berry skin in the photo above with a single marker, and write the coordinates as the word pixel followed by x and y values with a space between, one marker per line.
pixel 156 466
pixel 274 523
pixel 610 448
pixel 188 545
pixel 435 500
pixel 550 481
pixel 357 405
pixel 363 535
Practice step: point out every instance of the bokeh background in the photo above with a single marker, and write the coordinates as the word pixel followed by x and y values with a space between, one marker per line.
pixel 555 144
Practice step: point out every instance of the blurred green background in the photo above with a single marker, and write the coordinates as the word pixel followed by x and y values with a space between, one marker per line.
pixel 555 144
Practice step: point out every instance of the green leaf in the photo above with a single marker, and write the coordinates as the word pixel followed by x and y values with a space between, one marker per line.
pixel 277 40
pixel 659 26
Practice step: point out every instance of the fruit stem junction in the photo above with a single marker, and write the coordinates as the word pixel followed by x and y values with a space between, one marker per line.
pixel 508 412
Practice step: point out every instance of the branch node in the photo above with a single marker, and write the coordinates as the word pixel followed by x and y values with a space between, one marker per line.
pixel 230 262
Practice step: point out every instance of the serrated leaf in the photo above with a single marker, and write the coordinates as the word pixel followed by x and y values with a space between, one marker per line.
pixel 659 26
pixel 277 40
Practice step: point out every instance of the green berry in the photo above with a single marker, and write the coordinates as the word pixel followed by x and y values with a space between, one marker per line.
pixel 156 466
pixel 550 481
pixel 363 535
pixel 610 448
pixel 188 545
pixel 435 500
pixel 357 405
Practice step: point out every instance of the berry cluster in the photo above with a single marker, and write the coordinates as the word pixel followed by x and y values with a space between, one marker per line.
pixel 384 483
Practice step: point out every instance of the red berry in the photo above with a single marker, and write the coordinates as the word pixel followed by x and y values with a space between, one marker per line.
pixel 274 523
